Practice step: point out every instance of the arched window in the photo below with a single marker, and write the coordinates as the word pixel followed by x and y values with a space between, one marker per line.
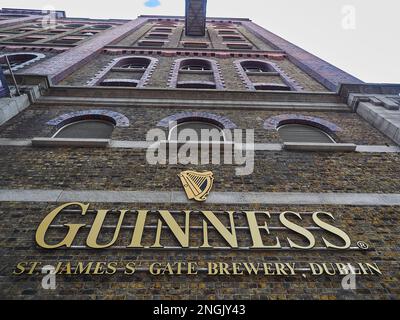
pixel 196 65
pixel 73 25
pixel 256 66
pixel 137 63
pixel 184 131
pixel 86 129
pixel 303 133
pixel 119 83
pixel 272 87
pixel 265 75
pixel 133 71
pixel 100 27
pixel 206 71
pixel 20 60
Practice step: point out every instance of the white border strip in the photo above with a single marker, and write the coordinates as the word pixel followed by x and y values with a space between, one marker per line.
pixel 257 146
pixel 267 198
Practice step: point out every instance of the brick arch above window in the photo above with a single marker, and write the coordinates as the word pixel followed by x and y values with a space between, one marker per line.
pixel 118 119
pixel 215 68
pixel 152 63
pixel 220 121
pixel 275 122
pixel 25 59
pixel 290 82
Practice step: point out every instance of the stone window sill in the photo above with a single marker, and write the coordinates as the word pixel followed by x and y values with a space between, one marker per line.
pixel 61 142
pixel 321 147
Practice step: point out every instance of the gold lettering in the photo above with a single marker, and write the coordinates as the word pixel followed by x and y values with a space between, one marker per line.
pixel 229 237
pixel 130 268
pixel 21 268
pixel 316 269
pixel 80 269
pixel 332 229
pixel 72 228
pixel 300 230
pixel 96 228
pixel 255 231
pixel 139 228
pixel 212 268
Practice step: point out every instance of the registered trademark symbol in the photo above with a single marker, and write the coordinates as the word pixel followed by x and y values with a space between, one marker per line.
pixel 362 245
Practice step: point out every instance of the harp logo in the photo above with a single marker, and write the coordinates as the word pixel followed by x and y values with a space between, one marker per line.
pixel 197 185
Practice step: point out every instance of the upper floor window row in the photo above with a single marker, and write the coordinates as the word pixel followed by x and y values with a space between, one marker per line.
pixel 194 126
pixel 194 73
pixel 135 71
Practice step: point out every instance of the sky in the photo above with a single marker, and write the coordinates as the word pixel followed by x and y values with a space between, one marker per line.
pixel 358 36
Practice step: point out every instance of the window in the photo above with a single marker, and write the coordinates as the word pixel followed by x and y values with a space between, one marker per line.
pixel 228 38
pixel 256 66
pixel 20 60
pixel 157 36
pixel 86 129
pixel 128 71
pixel 134 63
pixel 119 83
pixel 239 46
pixel 227 32
pixel 265 75
pixel 73 25
pixel 67 40
pixel 166 30
pixel 196 65
pixel 100 27
pixel 151 43
pixel 196 127
pixel 196 85
pixel 207 74
pixel 223 25
pixel 189 44
pixel 303 133
pixel 272 87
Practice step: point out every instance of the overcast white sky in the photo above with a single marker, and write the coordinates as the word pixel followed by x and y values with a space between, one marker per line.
pixel 367 47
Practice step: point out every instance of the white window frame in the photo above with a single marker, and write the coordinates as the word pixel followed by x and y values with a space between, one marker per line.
pixel 79 121
pixel 196 121
pixel 307 125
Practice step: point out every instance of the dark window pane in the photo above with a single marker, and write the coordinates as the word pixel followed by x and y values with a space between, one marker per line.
pixel 196 126
pixel 92 129
pixel 303 133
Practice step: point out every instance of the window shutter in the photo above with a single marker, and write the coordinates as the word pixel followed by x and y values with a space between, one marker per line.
pixel 303 133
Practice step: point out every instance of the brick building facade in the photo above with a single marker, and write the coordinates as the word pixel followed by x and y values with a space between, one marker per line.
pixel 141 74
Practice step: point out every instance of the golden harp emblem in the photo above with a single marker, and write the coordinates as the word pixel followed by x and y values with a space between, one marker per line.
pixel 197 185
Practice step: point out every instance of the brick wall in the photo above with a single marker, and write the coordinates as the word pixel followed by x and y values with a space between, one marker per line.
pixel 124 169
pixel 377 225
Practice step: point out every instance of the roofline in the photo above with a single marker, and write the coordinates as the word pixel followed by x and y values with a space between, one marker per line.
pixel 183 17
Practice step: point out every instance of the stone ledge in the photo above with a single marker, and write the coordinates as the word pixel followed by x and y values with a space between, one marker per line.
pixel 60 142
pixel 173 197
pixel 321 147
pixel 10 107
pixel 5 142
